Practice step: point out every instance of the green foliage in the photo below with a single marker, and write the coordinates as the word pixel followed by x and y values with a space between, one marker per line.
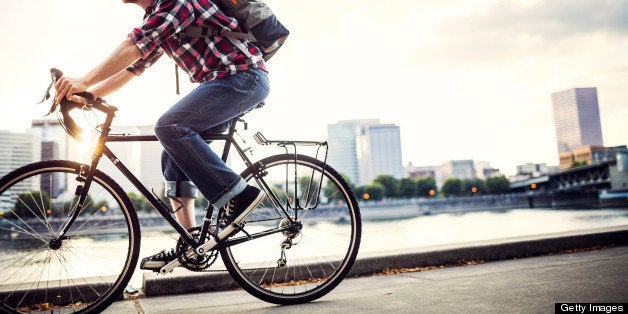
pixel 452 187
pixel 576 164
pixel 473 187
pixel 359 192
pixel 375 191
pixel 308 188
pixel 389 183
pixel 497 185
pixel 406 188
pixel 30 204
pixel 331 191
pixel 140 203
pixel 424 185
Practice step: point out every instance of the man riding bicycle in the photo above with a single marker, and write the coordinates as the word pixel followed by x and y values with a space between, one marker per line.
pixel 232 81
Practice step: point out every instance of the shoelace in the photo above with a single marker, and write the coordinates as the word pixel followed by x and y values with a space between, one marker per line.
pixel 229 209
pixel 165 255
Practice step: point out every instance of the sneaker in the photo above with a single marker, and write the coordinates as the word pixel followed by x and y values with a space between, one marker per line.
pixel 242 205
pixel 159 260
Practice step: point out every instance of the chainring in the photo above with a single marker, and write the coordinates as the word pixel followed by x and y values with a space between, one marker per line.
pixel 197 262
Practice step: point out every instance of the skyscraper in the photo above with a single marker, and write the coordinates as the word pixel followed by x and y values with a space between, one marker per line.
pixel 363 149
pixel 54 145
pixel 576 118
pixel 16 150
pixel 379 152
pixel 342 146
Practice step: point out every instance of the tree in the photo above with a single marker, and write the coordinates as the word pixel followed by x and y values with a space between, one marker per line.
pixel 331 191
pixel 389 183
pixel 425 185
pixel 30 204
pixel 89 206
pixel 473 187
pixel 406 188
pixel 359 192
pixel 575 164
pixel 140 203
pixel 497 185
pixel 452 187
pixel 374 192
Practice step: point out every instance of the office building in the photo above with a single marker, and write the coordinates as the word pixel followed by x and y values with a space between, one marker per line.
pixel 461 169
pixel 576 119
pixel 588 155
pixel 379 152
pixel 341 138
pixel 364 149
pixel 16 150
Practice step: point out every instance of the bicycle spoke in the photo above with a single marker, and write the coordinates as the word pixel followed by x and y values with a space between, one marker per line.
pixel 316 246
pixel 83 271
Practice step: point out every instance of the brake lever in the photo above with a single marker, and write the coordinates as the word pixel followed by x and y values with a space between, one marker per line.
pixel 55 74
pixel 46 94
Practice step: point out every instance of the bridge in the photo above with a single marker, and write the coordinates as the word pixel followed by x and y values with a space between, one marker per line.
pixel 603 184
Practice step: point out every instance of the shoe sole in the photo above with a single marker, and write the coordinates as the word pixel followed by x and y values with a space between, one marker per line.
pixel 152 265
pixel 248 210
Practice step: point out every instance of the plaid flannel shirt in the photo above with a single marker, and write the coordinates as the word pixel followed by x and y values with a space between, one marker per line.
pixel 204 58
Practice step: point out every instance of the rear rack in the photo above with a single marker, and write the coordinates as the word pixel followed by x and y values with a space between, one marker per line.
pixel 261 139
pixel 311 201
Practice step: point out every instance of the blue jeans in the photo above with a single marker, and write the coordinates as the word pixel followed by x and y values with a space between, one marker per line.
pixel 188 163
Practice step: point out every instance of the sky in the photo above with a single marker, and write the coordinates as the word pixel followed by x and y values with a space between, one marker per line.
pixel 462 79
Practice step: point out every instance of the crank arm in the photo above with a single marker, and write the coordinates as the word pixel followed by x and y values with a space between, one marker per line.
pixel 201 250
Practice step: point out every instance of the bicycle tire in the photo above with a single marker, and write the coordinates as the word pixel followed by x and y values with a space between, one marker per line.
pixel 320 254
pixel 84 273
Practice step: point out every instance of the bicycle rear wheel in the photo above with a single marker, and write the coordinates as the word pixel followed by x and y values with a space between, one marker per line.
pixel 84 272
pixel 313 254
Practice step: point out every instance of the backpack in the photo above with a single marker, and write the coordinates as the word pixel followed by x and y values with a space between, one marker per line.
pixel 259 23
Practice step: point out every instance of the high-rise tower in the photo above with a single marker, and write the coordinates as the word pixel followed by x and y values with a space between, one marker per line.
pixel 577 119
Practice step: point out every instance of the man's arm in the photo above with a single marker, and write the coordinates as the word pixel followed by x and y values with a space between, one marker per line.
pixel 122 57
pixel 112 84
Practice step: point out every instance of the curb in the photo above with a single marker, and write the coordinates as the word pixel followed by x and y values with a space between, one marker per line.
pixel 370 263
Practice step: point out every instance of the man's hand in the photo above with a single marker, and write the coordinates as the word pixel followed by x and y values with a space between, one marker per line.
pixel 67 86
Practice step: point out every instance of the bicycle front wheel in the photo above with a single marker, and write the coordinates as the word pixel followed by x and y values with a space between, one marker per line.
pixel 84 271
pixel 302 240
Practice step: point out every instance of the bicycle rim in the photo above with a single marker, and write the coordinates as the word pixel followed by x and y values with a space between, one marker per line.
pixel 311 257
pixel 84 272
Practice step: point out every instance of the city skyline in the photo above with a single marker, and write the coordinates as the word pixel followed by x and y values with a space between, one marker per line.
pixel 462 80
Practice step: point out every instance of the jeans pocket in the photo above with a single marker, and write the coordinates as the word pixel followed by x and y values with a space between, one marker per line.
pixel 239 80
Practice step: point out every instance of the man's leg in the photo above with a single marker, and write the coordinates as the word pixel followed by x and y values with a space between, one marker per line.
pixel 186 215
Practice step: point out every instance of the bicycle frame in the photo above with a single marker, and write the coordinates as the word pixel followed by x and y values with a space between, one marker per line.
pixel 87 172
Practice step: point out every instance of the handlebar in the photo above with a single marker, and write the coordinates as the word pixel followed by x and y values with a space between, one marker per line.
pixel 65 106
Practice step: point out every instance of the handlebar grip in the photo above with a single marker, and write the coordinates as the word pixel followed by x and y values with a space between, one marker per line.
pixel 57 74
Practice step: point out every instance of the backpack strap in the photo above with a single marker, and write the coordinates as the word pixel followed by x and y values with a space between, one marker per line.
pixel 201 31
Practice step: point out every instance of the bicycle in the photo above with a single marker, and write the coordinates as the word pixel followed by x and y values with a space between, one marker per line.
pixel 59 218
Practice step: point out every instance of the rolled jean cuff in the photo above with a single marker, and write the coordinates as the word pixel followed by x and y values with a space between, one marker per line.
pixel 222 201
pixel 181 189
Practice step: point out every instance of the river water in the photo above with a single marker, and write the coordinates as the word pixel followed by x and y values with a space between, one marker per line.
pixel 449 228
pixel 429 230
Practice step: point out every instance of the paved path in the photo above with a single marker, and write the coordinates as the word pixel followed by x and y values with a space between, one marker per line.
pixel 529 285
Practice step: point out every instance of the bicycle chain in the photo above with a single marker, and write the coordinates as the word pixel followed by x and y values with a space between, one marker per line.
pixel 206 270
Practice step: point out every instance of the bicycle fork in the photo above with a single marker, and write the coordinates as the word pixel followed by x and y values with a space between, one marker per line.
pixel 85 176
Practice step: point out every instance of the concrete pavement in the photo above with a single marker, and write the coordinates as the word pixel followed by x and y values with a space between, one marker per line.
pixel 530 285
